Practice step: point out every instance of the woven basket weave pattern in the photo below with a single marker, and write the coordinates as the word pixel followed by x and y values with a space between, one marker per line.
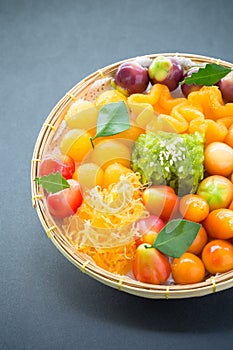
pixel 123 283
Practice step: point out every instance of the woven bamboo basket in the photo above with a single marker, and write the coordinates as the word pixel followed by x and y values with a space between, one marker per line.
pixel 123 283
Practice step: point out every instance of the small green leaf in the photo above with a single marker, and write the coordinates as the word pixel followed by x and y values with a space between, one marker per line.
pixel 176 237
pixel 113 118
pixel 53 182
pixel 209 75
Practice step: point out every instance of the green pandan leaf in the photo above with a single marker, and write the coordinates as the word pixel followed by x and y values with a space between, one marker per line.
pixel 113 118
pixel 53 182
pixel 209 75
pixel 176 237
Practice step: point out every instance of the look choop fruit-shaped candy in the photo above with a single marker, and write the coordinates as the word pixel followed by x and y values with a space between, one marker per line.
pixel 82 115
pixel 76 144
pixel 186 88
pixel 167 71
pixel 226 87
pixel 188 269
pixel 89 175
pixel 65 202
pixel 131 78
pixel 150 266
pixel 217 256
pixel 53 163
pixel 217 190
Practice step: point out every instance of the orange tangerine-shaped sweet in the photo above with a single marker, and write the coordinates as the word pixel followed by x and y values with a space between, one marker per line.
pixel 152 97
pixel 142 113
pixel 168 123
pixel 229 137
pixel 159 97
pixel 186 111
pixel 212 130
pixel 208 98
pixel 166 101
pixel 215 131
pixel 197 124
pixel 223 111
pixel 227 121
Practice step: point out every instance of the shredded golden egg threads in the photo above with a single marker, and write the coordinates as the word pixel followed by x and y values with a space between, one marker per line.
pixel 104 225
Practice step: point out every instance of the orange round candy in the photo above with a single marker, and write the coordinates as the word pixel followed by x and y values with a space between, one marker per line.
pixel 217 256
pixel 218 159
pixel 199 242
pixel 219 223
pixel 193 207
pixel 188 269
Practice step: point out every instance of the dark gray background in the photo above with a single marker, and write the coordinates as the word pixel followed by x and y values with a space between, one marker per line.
pixel 46 47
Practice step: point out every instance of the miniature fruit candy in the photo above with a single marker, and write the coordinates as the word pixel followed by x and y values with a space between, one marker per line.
pixel 219 223
pixel 226 87
pixel 189 268
pixel 65 202
pixel 218 159
pixel 76 144
pixel 131 77
pixel 193 207
pixel 166 71
pixel 110 151
pixel 199 242
pixel 89 175
pixel 161 201
pixel 217 190
pixel 150 266
pixel 217 256
pixel 53 163
pixel 113 173
pixel 149 223
pixel 82 115
pixel 149 228
pixel 186 88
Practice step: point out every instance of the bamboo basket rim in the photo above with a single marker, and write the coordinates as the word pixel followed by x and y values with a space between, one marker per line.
pixel 82 262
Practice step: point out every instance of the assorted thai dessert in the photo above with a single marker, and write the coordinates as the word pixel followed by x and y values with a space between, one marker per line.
pixel 139 174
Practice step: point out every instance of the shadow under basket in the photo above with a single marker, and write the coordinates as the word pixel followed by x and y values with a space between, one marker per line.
pixel 82 261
